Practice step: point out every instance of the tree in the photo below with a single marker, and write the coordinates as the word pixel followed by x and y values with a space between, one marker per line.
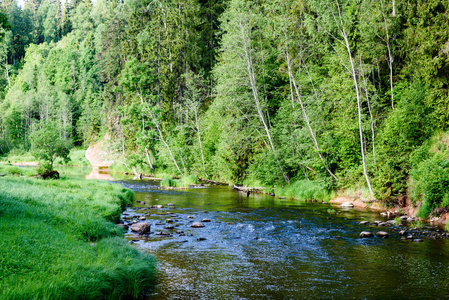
pixel 48 143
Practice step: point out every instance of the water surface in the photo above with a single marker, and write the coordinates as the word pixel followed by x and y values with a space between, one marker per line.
pixel 259 247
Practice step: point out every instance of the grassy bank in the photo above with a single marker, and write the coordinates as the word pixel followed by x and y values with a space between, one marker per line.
pixel 77 158
pixel 57 242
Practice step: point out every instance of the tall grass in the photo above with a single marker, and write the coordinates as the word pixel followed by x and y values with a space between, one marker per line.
pixel 14 170
pixel 184 182
pixel 306 190
pixel 57 243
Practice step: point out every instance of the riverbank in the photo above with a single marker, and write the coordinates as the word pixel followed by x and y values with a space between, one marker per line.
pixel 59 241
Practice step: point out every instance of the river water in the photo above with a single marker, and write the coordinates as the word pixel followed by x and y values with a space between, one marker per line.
pixel 259 247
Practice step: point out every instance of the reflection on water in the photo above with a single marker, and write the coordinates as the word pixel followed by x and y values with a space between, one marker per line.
pixel 260 247
pixel 101 173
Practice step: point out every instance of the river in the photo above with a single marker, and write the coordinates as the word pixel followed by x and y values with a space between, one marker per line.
pixel 260 247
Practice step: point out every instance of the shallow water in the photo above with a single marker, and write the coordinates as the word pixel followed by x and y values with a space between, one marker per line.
pixel 259 247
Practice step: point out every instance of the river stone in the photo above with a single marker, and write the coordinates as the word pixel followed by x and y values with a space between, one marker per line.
pixel 382 224
pixel 392 222
pixel 169 227
pixel 366 234
pixel 364 223
pixel 382 234
pixel 163 233
pixel 190 217
pixel 347 204
pixel 201 239
pixel 141 227
pixel 403 218
pixel 142 218
pixel 418 240
pixel 402 232
pixel 205 220
pixel 410 219
pixel 158 206
pixel 197 225
pixel 377 222
pixel 169 221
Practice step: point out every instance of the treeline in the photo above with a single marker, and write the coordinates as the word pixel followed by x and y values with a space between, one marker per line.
pixel 350 93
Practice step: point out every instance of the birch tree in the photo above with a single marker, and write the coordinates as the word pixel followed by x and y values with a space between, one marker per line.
pixel 336 20
pixel 241 58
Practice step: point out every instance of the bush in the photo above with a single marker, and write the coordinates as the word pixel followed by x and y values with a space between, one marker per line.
pixel 306 190
pixel 168 182
pixel 430 183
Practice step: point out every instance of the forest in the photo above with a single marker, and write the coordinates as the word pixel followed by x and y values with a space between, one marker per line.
pixel 337 94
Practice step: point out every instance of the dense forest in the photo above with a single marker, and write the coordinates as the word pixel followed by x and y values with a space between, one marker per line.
pixel 348 94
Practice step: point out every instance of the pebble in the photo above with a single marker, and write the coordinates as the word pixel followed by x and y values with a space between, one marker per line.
pixel 205 220
pixel 364 223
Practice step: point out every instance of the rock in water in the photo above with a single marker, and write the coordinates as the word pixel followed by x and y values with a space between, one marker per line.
pixel 382 234
pixel 141 227
pixel 366 234
pixel 197 225
pixel 347 204
pixel 205 220
pixel 158 206
pixel 364 223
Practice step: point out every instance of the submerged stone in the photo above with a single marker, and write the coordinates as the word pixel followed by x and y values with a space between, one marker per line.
pixel 347 204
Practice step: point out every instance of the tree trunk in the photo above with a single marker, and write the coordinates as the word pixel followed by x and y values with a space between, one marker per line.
pixel 356 88
pixel 252 79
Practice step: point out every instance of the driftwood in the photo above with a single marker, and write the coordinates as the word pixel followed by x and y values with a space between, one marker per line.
pixel 207 181
pixel 247 190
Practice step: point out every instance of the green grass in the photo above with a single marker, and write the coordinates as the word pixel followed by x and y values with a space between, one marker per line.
pixel 305 190
pixel 184 182
pixel 16 156
pixel 14 170
pixel 189 180
pixel 77 158
pixel 57 242
pixel 169 182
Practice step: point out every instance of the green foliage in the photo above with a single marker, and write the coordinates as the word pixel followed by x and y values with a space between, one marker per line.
pixel 430 183
pixel 236 91
pixel 56 221
pixel 49 143
pixel 306 190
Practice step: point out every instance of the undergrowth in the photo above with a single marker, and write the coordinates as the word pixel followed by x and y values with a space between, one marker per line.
pixel 306 190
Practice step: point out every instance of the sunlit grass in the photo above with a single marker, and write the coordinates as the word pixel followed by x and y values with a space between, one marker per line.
pixel 306 190
pixel 57 242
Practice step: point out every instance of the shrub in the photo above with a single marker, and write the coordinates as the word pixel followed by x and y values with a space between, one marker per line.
pixel 306 190
pixel 430 183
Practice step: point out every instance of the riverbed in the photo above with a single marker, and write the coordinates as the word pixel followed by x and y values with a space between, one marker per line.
pixel 261 247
